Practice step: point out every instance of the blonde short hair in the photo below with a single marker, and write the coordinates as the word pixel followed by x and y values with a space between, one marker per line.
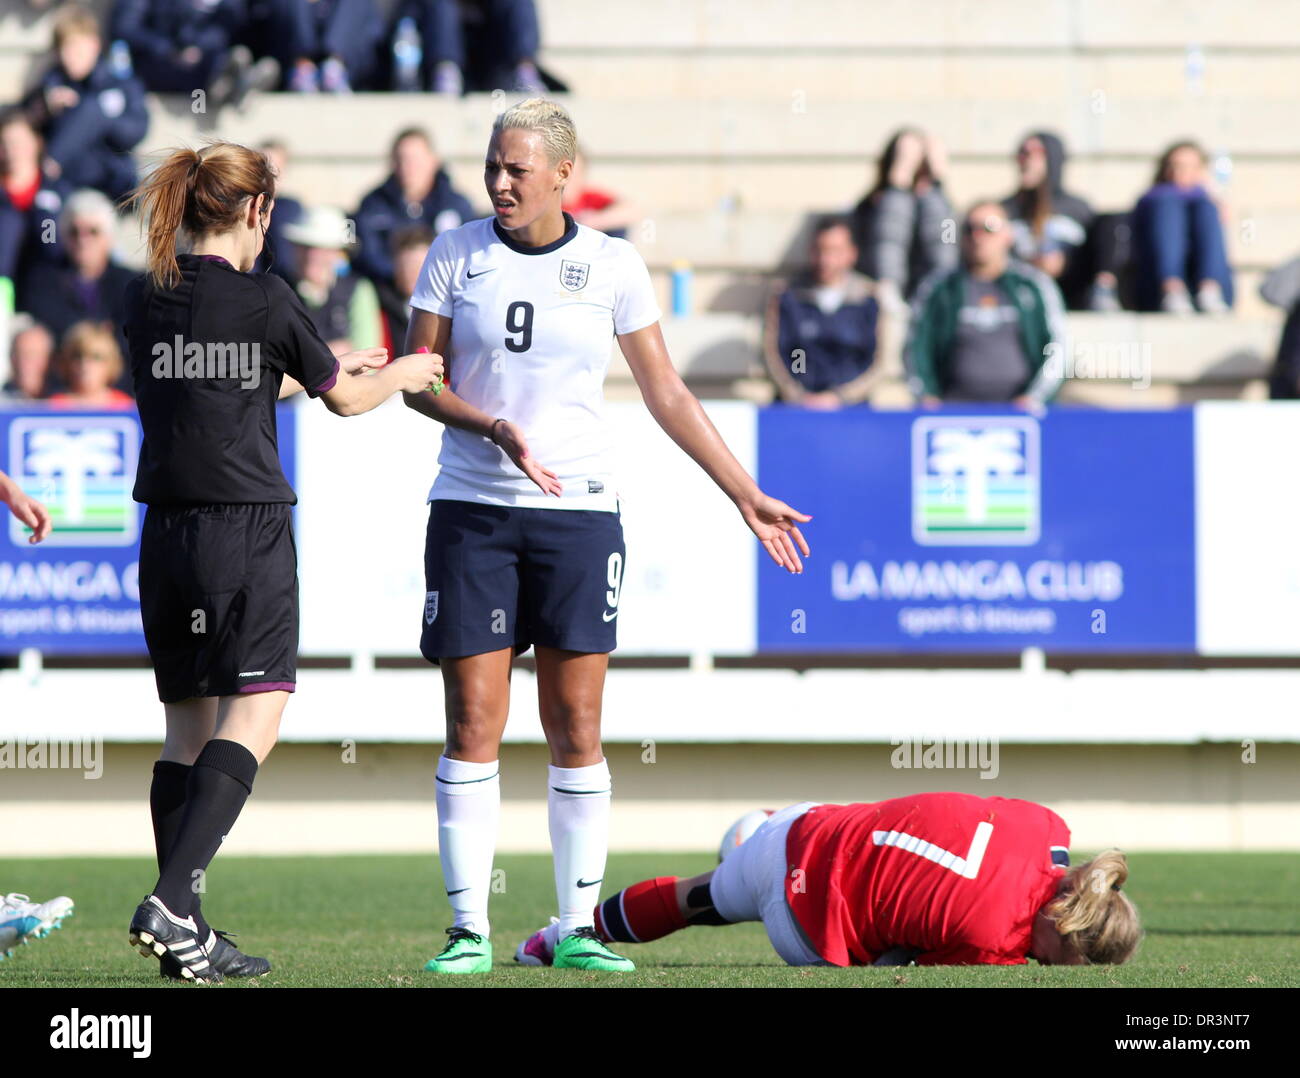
pixel 549 120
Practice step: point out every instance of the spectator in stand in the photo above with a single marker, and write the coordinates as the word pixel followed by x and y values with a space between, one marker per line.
pixel 1178 243
pixel 31 351
pixel 280 257
pixel 1049 226
pixel 417 191
pixel 986 330
pixel 179 46
pixel 1281 288
pixel 342 304
pixel 324 45
pixel 85 284
pixel 483 45
pixel 596 208
pixel 820 336
pixel 410 245
pixel 90 361
pixel 898 225
pixel 30 200
pixel 89 110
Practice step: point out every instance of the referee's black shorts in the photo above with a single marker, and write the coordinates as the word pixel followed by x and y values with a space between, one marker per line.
pixel 219 599
pixel 498 577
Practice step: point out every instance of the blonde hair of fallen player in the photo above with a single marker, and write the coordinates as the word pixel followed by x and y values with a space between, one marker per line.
pixel 529 160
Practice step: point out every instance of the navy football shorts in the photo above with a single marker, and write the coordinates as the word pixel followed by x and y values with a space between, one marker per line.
pixel 219 599
pixel 498 577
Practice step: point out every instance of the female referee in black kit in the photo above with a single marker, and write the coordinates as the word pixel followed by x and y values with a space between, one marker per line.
pixel 213 346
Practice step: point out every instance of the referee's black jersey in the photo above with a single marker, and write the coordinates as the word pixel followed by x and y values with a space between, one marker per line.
pixel 208 358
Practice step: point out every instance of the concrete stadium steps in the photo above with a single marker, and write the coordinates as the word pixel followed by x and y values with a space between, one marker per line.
pixel 892 24
pixel 897 78
pixel 360 126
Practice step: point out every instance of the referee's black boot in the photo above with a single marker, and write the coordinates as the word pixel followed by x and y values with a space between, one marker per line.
pixel 157 932
pixel 226 959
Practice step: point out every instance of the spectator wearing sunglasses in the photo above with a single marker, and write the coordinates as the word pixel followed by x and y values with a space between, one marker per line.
pixel 85 283
pixel 985 331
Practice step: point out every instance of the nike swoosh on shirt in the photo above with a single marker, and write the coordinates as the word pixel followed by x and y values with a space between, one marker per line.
pixel 609 615
pixel 479 273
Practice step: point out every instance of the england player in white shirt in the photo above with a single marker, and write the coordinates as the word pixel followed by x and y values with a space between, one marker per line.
pixel 524 546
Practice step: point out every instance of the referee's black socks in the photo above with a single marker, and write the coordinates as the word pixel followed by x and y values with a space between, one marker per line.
pixel 215 791
pixel 167 795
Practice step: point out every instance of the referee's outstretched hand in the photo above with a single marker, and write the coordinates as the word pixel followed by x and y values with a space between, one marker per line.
pixel 774 523
pixel 511 440
pixel 364 359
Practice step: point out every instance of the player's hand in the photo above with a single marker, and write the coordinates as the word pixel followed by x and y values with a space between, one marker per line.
pixel 32 513
pixel 511 440
pixel 362 360
pixel 776 525
pixel 420 371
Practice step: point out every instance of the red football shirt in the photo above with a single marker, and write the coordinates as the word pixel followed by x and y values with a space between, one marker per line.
pixel 954 876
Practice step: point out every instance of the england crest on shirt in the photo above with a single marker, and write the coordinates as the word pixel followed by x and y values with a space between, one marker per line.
pixel 430 607
pixel 573 275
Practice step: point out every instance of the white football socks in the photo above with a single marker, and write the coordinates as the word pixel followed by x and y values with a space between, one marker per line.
pixel 578 808
pixel 469 805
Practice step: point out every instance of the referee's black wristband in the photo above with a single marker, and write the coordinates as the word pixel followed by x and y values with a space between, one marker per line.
pixel 492 432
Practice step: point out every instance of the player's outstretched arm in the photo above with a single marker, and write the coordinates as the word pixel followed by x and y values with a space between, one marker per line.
pixel 25 508
pixel 433 331
pixel 683 419
pixel 354 392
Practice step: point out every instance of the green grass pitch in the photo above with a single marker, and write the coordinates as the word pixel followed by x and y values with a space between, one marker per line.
pixel 1212 920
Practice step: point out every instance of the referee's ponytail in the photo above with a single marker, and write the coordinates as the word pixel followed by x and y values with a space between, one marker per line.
pixel 200 192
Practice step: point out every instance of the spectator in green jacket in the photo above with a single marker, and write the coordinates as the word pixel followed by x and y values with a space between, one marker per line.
pixel 991 330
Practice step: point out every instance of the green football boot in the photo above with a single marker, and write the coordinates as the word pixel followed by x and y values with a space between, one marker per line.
pixel 466 952
pixel 583 949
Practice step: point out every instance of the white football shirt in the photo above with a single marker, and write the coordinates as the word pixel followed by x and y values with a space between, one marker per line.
pixel 531 333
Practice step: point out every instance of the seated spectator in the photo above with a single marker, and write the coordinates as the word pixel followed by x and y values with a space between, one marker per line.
pixel 820 337
pixel 1281 288
pixel 1178 243
pixel 596 208
pixel 417 191
pixel 324 45
pixel 481 46
pixel 179 46
pixel 279 256
pixel 1049 226
pixel 30 200
pixel 31 351
pixel 84 284
pixel 986 330
pixel 342 304
pixel 90 362
pixel 90 114
pixel 410 245
pixel 898 225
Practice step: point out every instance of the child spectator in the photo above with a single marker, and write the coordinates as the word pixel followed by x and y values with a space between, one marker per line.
pixel 90 361
pixel 820 338
pixel 89 110
pixel 898 225
pixel 1178 244
pixel 409 247
pixel 986 330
